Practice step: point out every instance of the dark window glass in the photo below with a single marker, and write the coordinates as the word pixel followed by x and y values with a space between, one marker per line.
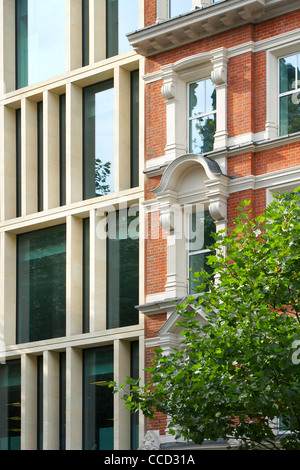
pixel 62 401
pixel 134 373
pixel 21 43
pixel 40 154
pixel 41 284
pixel 62 149
pixel 134 127
pixel 85 32
pixel 122 17
pixel 200 239
pixel 122 269
pixel 10 405
pixel 98 399
pixel 98 139
pixel 86 275
pixel 18 162
pixel 40 40
pixel 40 414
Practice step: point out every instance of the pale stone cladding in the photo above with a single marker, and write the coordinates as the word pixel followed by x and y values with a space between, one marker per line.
pixel 240 46
pixel 19 179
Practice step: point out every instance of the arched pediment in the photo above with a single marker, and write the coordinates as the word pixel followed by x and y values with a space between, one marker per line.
pixel 189 171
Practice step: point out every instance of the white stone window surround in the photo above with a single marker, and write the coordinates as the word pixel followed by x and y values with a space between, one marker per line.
pixel 176 78
pixel 272 85
pixel 188 180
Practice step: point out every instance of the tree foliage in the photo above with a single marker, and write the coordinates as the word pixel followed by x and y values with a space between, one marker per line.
pixel 235 375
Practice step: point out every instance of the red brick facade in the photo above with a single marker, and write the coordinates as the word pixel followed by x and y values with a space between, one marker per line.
pixel 246 115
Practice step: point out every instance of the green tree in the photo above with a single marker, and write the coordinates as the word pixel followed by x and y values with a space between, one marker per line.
pixel 237 372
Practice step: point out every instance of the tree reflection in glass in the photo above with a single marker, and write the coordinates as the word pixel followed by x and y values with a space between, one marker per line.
pixel 98 139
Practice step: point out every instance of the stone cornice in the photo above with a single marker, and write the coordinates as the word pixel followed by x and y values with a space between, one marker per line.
pixel 201 23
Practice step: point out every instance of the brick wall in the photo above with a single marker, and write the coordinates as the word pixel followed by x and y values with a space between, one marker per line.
pixel 246 114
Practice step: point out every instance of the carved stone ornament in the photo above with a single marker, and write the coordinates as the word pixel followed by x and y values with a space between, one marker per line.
pixel 219 75
pixel 151 441
pixel 168 91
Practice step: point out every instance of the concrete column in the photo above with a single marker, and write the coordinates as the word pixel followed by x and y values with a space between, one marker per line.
pixel 8 287
pixel 122 129
pixel 73 143
pixel 162 10
pixel 51 401
pixel 73 399
pixel 8 163
pixel 51 149
pixel 74 276
pixel 28 402
pixel 74 35
pixel 29 156
pixel 121 415
pixel 7 44
pixel 97 272
pixel 97 30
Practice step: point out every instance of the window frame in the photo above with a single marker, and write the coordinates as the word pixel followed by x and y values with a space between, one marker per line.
pixel 295 91
pixel 202 115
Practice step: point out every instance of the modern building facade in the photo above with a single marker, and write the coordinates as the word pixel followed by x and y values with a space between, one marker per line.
pixel 72 153
pixel 221 126
pixel 115 152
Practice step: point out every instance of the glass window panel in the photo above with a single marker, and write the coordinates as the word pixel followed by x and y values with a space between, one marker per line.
pixel 197 262
pixel 21 43
pixel 86 274
pixel 40 154
pixel 287 70
pixel 85 32
pixel 128 22
pixel 122 270
pixel 62 149
pixel 40 403
pixel 10 405
pixel 98 399
pixel 41 285
pixel 201 134
pixel 289 114
pixel 201 226
pixel 18 162
pixel 40 40
pixel 46 39
pixel 62 401
pixel 98 139
pixel 177 7
pixel 196 98
pixel 122 17
pixel 210 96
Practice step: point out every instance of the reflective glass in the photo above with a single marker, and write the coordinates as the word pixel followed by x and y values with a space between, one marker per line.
pixel 202 97
pixel 41 281
pixel 122 269
pixel 10 405
pixel 289 115
pixel 98 413
pixel 40 40
pixel 201 134
pixel 287 73
pixel 201 228
pixel 98 139
pixel 18 162
pixel 122 17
